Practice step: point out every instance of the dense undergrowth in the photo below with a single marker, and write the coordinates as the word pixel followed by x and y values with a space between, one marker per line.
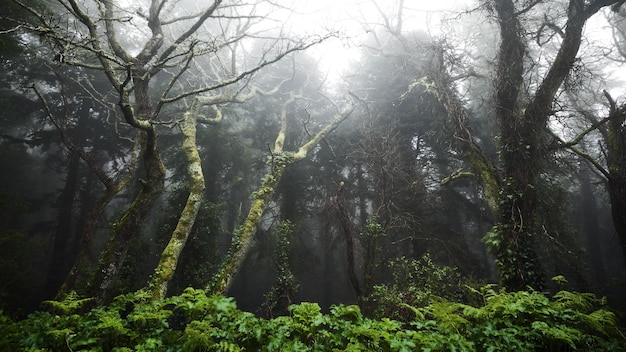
pixel 193 321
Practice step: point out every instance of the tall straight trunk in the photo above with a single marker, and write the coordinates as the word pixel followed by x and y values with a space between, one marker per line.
pixel 87 234
pixel 514 249
pixel 588 213
pixel 59 263
pixel 164 272
pixel 350 238
pixel 616 162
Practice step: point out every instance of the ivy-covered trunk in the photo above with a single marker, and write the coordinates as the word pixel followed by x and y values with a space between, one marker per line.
pixel 512 242
pixel 522 140
pixel 171 254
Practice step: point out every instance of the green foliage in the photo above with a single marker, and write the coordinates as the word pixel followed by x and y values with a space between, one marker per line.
pixel 522 321
pixel 414 283
pixel 280 295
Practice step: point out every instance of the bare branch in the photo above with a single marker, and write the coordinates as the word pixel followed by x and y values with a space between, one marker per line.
pixel 240 76
pixel 584 155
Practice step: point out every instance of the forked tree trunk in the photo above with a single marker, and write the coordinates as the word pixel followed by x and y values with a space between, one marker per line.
pixel 512 196
pixel 522 138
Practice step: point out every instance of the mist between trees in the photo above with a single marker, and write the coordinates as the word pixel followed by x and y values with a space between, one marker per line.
pixel 157 145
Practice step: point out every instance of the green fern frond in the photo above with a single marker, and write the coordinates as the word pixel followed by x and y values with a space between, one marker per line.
pixel 224 346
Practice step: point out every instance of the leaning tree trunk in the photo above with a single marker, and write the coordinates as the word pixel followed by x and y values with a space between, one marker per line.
pixel 89 227
pixel 164 272
pixel 131 222
pixel 87 234
pixel 243 237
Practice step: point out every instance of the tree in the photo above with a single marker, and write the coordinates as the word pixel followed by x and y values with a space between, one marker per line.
pixel 522 108
pixel 278 161
pixel 171 57
pixel 522 118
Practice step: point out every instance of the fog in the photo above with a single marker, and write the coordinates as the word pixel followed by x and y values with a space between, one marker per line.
pixel 336 152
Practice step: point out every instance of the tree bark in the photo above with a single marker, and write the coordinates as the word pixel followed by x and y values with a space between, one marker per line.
pixel 131 222
pixel 616 165
pixel 59 264
pixel 164 272
pixel 243 237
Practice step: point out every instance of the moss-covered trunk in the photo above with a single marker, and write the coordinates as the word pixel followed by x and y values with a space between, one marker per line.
pixel 88 232
pixel 89 226
pixel 166 268
pixel 243 236
pixel 242 240
pixel 131 222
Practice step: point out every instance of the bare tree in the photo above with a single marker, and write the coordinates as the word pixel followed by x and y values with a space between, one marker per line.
pixel 158 56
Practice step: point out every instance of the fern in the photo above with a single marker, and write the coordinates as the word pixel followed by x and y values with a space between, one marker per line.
pixel 71 304
pixel 504 321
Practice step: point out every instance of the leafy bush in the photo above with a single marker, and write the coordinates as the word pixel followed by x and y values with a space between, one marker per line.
pixel 415 283
pixel 522 321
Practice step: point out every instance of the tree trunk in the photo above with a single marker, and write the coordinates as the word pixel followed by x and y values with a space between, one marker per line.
pixel 59 263
pixel 522 139
pixel 90 222
pixel 242 239
pixel 170 255
pixel 130 224
pixel 616 162
pixel 588 215
pixel 350 237
pixel 87 234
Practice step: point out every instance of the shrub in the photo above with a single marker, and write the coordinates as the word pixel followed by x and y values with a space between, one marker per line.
pixel 505 321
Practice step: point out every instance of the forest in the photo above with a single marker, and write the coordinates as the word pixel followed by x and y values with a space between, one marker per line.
pixel 283 175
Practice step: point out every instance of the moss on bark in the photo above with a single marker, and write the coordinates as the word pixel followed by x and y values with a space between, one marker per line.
pixel 166 268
